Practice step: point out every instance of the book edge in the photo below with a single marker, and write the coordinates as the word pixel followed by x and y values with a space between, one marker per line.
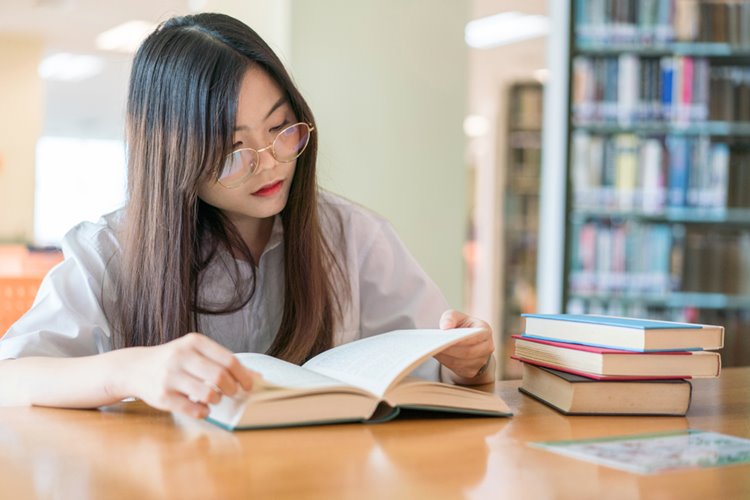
pixel 283 425
pixel 580 346
pixel 600 378
pixel 464 411
pixel 621 322
pixel 603 414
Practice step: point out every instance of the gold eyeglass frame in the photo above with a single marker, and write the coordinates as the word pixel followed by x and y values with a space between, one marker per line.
pixel 250 173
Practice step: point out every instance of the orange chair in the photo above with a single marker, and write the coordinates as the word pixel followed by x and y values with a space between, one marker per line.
pixel 21 273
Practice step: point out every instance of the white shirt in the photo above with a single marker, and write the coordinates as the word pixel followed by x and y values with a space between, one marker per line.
pixel 389 290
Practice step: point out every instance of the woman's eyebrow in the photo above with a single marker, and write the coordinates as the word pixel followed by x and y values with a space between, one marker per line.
pixel 276 106
pixel 282 100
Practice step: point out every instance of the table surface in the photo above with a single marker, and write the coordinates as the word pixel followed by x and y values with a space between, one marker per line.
pixel 132 451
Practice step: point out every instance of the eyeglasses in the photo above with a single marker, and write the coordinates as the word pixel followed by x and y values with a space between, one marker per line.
pixel 286 147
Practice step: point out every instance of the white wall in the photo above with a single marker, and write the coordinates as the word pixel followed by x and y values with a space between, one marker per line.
pixel 387 82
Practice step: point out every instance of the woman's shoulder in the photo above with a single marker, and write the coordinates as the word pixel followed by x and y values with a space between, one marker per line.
pixel 355 227
pixel 349 213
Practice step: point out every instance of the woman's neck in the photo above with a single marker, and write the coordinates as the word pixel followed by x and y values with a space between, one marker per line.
pixel 255 233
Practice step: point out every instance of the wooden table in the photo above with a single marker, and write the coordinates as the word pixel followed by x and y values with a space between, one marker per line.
pixel 131 451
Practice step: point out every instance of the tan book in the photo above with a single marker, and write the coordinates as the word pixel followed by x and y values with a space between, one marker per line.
pixel 576 395
pixel 364 380
pixel 599 362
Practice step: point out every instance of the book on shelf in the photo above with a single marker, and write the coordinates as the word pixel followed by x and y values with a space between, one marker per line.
pixel 573 394
pixel 601 363
pixel 364 380
pixel 679 158
pixel 739 178
pixel 716 261
pixel 660 22
pixel 624 333
pixel 628 90
pixel 674 92
pixel 654 174
pixel 626 171
pixel 659 163
pixel 622 256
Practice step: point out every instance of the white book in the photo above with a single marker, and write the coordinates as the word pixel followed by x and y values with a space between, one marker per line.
pixel 652 176
pixel 364 380
pixel 582 188
pixel 627 88
pixel 719 175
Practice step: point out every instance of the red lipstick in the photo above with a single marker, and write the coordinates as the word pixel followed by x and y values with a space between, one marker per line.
pixel 269 190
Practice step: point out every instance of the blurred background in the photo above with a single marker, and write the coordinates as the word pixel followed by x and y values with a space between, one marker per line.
pixel 534 155
pixel 412 114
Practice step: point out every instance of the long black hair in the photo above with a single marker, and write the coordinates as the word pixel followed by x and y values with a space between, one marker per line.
pixel 181 113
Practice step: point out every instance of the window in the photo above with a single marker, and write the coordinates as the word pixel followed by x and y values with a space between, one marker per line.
pixel 76 180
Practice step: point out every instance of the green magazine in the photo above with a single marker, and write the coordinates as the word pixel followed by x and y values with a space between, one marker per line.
pixel 657 452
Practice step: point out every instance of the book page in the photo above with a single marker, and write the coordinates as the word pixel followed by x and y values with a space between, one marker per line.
pixel 289 394
pixel 279 373
pixel 375 363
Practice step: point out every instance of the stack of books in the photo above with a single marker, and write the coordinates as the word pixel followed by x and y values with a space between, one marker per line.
pixel 589 364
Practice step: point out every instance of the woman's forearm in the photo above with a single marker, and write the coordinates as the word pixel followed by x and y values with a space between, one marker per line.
pixel 184 375
pixel 84 382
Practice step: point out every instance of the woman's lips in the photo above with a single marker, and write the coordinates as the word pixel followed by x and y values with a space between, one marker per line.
pixel 270 189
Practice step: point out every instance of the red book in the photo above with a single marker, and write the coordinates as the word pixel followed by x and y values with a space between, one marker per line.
pixel 613 364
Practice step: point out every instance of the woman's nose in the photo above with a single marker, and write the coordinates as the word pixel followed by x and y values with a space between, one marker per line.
pixel 265 160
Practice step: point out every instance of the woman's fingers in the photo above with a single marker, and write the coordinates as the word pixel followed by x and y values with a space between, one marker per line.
pixel 224 358
pixel 211 374
pixel 196 390
pixel 462 361
pixel 467 357
pixel 179 402
pixel 188 374
pixel 450 319
pixel 480 349
pixel 467 368
pixel 456 319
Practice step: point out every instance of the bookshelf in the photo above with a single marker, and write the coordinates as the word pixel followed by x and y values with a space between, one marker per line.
pixel 520 213
pixel 656 193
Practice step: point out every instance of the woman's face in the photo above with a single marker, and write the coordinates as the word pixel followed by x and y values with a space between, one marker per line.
pixel 262 112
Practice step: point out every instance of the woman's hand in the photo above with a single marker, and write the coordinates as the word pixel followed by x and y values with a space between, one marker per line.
pixel 185 375
pixel 471 361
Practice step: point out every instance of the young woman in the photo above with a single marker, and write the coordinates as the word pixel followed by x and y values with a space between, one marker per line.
pixel 225 233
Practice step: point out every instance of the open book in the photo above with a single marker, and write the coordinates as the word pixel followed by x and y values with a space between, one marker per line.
pixel 364 380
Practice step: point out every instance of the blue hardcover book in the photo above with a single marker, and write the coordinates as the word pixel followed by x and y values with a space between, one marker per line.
pixel 616 332
pixel 667 76
pixel 678 176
